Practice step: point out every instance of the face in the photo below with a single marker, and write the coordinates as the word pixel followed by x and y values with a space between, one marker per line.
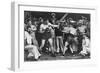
pixel 41 20
pixel 53 15
pixel 30 22
pixel 46 22
pixel 35 23
pixel 29 29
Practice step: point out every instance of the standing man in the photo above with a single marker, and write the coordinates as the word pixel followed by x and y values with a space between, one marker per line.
pixel 72 38
pixel 53 20
pixel 45 29
pixel 59 38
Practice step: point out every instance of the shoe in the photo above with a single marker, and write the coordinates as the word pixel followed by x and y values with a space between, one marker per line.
pixel 53 55
pixel 35 59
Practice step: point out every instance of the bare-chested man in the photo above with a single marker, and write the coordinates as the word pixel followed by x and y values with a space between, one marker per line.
pixel 45 29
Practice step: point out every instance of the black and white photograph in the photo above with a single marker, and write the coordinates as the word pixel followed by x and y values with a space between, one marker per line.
pixel 47 36
pixel 56 36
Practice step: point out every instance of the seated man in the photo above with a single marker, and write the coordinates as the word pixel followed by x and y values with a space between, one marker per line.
pixel 85 46
pixel 32 49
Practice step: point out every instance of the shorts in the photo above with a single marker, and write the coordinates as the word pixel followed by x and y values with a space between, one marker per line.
pixel 46 35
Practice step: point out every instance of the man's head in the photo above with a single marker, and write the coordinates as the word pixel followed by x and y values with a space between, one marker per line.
pixel 29 22
pixel 41 19
pixel 53 14
pixel 46 21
